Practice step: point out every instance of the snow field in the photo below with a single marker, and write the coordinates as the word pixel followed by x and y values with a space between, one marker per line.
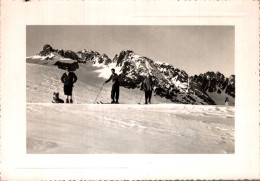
pixel 123 129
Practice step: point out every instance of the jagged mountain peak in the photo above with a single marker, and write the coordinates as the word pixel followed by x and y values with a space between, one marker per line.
pixel 169 81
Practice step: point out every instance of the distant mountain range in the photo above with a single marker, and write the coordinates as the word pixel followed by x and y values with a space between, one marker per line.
pixel 209 88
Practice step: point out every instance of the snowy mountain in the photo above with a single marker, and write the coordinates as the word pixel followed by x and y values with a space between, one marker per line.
pixel 171 83
pixel 94 57
pixel 216 85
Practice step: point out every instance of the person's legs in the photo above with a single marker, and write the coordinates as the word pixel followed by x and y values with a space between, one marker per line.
pixel 117 94
pixel 70 93
pixel 150 96
pixel 146 96
pixel 65 92
pixel 113 94
pixel 71 101
pixel 67 100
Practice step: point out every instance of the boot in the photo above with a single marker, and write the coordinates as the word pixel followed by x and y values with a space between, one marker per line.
pixel 71 101
pixel 112 102
pixel 117 102
pixel 67 100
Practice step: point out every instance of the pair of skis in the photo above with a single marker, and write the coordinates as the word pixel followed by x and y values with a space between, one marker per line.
pixel 99 102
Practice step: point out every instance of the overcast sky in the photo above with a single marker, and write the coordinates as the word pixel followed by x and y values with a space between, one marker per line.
pixel 194 49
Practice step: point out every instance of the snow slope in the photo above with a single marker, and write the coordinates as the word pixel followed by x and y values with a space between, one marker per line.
pixel 124 128
pixel 43 80
pixel 219 98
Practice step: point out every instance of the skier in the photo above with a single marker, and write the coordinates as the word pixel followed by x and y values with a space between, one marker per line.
pixel 147 86
pixel 226 101
pixel 68 79
pixel 115 87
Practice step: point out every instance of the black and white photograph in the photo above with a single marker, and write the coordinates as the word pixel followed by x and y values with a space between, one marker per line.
pixel 130 89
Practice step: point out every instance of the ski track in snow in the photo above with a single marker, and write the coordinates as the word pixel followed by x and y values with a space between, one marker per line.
pixel 63 128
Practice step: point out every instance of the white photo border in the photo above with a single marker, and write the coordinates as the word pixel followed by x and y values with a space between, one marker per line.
pixel 16 164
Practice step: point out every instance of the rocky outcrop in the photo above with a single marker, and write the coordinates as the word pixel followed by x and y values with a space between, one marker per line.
pixel 47 49
pixel 68 54
pixel 94 57
pixel 62 65
pixel 214 82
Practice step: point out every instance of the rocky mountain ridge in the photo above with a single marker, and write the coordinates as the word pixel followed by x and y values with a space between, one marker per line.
pixel 169 82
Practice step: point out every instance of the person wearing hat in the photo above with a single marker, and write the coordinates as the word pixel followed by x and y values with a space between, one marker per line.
pixel 68 79
pixel 115 87
pixel 147 86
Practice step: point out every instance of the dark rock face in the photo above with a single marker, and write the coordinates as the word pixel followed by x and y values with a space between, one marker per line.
pixel 230 89
pixel 214 82
pixel 82 56
pixel 62 65
pixel 68 54
pixel 47 49
pixel 94 57
pixel 115 58
pixel 170 82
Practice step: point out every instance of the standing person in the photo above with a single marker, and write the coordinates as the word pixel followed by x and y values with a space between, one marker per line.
pixel 226 101
pixel 115 87
pixel 147 87
pixel 68 79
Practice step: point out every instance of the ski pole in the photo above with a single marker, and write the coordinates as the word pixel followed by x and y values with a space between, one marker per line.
pixel 99 92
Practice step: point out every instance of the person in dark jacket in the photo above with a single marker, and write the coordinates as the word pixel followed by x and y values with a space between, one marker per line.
pixel 147 86
pixel 68 79
pixel 115 87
